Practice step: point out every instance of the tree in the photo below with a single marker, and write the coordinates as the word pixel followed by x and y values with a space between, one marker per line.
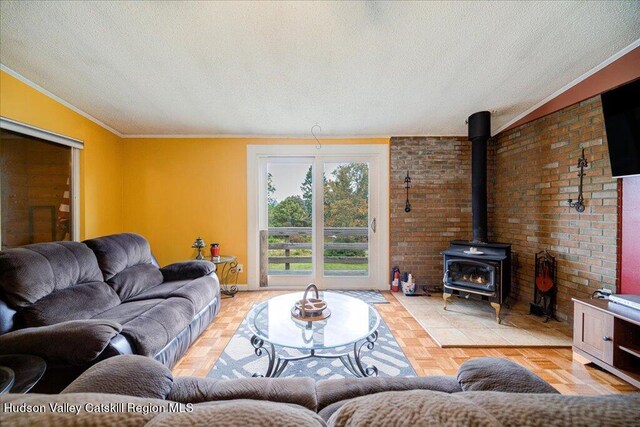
pixel 307 192
pixel 290 212
pixel 271 189
pixel 346 196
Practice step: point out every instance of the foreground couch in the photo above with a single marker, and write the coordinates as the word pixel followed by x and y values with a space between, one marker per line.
pixel 137 391
pixel 75 304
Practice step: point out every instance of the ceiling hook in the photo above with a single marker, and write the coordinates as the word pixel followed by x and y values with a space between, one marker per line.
pixel 318 145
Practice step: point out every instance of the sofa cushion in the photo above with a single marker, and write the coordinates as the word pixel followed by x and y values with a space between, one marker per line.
pixel 335 390
pixel 126 263
pixel 242 413
pixel 113 375
pixel 32 272
pixel 558 410
pixel 138 412
pixel 76 342
pixel 149 332
pixel 411 408
pixel 299 391
pixel 119 251
pixel 200 292
pixel 89 413
pixel 187 270
pixel 127 311
pixel 72 303
pixel 497 374
pixel 134 280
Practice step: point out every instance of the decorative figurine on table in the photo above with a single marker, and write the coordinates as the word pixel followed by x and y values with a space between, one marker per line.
pixel 199 244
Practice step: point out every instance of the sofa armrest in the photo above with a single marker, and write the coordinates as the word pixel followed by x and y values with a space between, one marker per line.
pixel 76 342
pixel 187 270
pixel 129 375
pixel 298 391
pixel 496 374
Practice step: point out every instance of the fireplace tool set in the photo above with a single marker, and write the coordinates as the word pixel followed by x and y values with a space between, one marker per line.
pixel 544 291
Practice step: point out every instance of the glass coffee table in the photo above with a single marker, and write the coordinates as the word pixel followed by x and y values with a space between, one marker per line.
pixel 353 323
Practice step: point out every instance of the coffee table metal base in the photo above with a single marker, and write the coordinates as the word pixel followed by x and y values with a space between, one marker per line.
pixel 351 359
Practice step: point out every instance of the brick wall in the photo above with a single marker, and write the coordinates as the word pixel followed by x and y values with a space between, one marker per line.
pixel 536 173
pixel 532 172
pixel 440 196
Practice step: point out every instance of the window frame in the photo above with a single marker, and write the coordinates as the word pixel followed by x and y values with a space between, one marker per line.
pixel 256 192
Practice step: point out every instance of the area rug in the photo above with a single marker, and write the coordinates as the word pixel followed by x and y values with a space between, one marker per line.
pixel 471 323
pixel 368 296
pixel 238 359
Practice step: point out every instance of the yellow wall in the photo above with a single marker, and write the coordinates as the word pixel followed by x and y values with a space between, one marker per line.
pixel 179 189
pixel 100 162
pixel 169 190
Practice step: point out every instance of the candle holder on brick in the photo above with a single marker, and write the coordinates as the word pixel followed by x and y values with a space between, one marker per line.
pixel 579 204
pixel 407 181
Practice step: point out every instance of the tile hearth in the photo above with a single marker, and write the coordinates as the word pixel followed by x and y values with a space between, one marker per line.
pixel 471 323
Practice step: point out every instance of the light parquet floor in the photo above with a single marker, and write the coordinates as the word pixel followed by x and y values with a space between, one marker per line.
pixel 555 365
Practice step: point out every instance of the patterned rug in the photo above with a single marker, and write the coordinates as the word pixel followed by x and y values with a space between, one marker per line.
pixel 238 359
pixel 370 296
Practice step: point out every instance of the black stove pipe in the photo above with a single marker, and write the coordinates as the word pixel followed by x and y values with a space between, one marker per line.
pixel 479 133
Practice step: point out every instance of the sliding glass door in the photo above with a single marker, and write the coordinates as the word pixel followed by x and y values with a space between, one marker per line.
pixel 320 214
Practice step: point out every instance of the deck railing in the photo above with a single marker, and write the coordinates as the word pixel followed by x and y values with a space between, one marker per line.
pixel 330 234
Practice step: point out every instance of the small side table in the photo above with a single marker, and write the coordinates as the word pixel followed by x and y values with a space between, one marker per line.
pixel 27 369
pixel 227 271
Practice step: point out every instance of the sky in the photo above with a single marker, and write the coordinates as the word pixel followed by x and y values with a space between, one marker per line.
pixel 287 177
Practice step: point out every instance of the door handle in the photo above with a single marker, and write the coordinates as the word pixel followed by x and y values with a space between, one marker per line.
pixel 373 225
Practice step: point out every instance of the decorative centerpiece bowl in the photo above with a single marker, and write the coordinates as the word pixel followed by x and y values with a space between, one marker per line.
pixel 310 309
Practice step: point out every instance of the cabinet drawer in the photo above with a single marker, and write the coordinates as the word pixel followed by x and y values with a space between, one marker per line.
pixel 593 332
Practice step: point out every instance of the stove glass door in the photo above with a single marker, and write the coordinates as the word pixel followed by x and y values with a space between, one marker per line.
pixel 471 274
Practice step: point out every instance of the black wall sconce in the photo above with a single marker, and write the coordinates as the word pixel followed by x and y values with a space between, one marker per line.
pixel 407 181
pixel 579 204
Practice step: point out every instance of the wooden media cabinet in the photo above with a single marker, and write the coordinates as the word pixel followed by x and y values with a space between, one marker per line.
pixel 607 334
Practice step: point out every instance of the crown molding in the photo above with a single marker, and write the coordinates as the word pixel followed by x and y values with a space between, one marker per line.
pixel 297 137
pixel 568 86
pixel 56 98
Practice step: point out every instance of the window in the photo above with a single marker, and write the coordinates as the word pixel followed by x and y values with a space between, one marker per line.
pixel 38 200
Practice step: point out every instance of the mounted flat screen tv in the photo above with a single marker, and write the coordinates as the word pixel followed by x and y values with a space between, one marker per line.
pixel 621 109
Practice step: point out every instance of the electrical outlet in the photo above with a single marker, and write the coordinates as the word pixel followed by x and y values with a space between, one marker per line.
pixel 240 268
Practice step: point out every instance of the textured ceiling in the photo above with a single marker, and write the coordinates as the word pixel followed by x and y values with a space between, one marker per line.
pixel 276 69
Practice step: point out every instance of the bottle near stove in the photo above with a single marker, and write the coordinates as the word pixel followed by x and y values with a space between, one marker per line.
pixel 395 279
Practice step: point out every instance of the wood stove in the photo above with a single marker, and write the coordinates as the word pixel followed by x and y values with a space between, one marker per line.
pixel 485 275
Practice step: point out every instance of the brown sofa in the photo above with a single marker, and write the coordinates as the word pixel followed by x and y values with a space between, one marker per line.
pixel 75 304
pixel 487 391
